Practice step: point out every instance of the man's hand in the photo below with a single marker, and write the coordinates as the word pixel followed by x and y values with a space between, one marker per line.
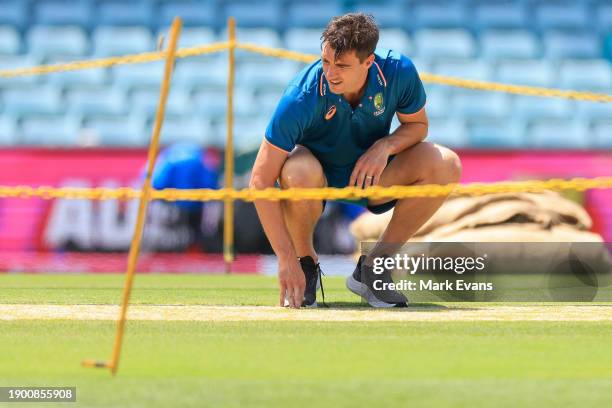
pixel 370 165
pixel 292 282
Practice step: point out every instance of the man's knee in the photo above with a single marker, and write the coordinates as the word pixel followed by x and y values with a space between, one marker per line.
pixel 302 169
pixel 440 165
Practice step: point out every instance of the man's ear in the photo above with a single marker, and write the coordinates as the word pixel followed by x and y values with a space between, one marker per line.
pixel 369 61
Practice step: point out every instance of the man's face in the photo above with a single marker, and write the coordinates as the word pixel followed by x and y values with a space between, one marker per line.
pixel 345 74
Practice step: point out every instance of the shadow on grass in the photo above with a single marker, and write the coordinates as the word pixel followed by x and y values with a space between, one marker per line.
pixel 412 307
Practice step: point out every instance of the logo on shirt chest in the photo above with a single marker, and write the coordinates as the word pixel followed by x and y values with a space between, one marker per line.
pixel 379 104
pixel 330 113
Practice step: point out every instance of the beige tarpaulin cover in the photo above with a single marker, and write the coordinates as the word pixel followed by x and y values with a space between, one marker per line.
pixel 513 217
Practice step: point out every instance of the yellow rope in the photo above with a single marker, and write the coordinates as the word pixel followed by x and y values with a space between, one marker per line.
pixel 431 190
pixel 306 58
pixel 108 62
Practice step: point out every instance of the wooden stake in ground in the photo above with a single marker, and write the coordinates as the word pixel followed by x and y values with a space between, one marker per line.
pixel 113 364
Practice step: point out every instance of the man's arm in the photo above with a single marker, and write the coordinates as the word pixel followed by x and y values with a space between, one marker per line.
pixel 412 130
pixel 266 170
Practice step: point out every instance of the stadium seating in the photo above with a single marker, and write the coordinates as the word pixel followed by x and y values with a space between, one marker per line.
pixel 49 41
pixel 50 130
pixel 444 43
pixel 14 13
pixel 558 134
pixel 63 12
pixel 113 130
pixel 110 41
pixel 8 131
pixel 10 43
pixel 549 43
pixel 507 44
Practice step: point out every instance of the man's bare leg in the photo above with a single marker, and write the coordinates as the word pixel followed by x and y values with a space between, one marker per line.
pixel 424 163
pixel 302 170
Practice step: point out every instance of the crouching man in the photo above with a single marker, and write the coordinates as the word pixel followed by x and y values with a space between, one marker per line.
pixel 331 128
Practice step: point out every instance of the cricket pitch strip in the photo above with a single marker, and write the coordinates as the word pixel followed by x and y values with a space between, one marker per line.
pixel 587 312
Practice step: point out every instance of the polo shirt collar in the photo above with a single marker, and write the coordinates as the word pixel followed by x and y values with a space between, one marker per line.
pixel 376 82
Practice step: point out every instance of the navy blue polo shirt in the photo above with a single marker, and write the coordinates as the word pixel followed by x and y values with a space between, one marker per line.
pixel 309 114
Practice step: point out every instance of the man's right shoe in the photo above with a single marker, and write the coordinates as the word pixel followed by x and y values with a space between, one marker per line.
pixel 361 283
pixel 312 275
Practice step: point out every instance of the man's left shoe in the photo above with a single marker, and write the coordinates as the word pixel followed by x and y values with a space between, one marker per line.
pixel 362 282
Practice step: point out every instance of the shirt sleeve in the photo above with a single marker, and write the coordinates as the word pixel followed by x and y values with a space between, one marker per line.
pixel 411 92
pixel 288 121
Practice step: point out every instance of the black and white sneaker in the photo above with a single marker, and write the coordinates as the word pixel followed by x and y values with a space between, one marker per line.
pixel 312 273
pixel 361 283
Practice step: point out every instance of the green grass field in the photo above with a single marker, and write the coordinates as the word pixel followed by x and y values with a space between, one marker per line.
pixel 293 363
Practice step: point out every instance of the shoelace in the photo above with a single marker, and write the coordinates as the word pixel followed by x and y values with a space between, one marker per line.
pixel 320 277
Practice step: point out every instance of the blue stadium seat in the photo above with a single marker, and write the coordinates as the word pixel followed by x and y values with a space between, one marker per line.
pixel 125 13
pixel 193 36
pixel 97 100
pixel 444 43
pixel 267 99
pixel 306 40
pixel 270 73
pixel 593 111
pixel 10 43
pixel 438 103
pixel 465 68
pixel 145 101
pixel 571 45
pixel 260 36
pixel 186 129
pixel 604 18
pixel 438 15
pixel 496 44
pixel 506 15
pixel 526 72
pixel 602 132
pixel 562 16
pixel 79 78
pixel 139 75
pixel 44 100
pixel 529 107
pixel 449 132
pixel 47 41
pixel 389 14
pixel 607 48
pixel 496 134
pixel 212 103
pixel 192 73
pixel 248 132
pixel 8 62
pixel 113 41
pixel 255 14
pixel 193 13
pixel 480 105
pixel 558 134
pixel 314 13
pixel 586 74
pixel 14 13
pixel 50 130
pixel 63 12
pixel 395 39
pixel 118 130
pixel 8 131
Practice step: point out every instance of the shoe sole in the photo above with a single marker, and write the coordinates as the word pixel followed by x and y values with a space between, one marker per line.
pixel 362 290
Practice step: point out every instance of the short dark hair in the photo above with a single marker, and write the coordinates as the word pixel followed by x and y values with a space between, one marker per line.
pixel 353 31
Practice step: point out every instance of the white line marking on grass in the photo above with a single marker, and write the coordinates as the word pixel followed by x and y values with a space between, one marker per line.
pixel 268 313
